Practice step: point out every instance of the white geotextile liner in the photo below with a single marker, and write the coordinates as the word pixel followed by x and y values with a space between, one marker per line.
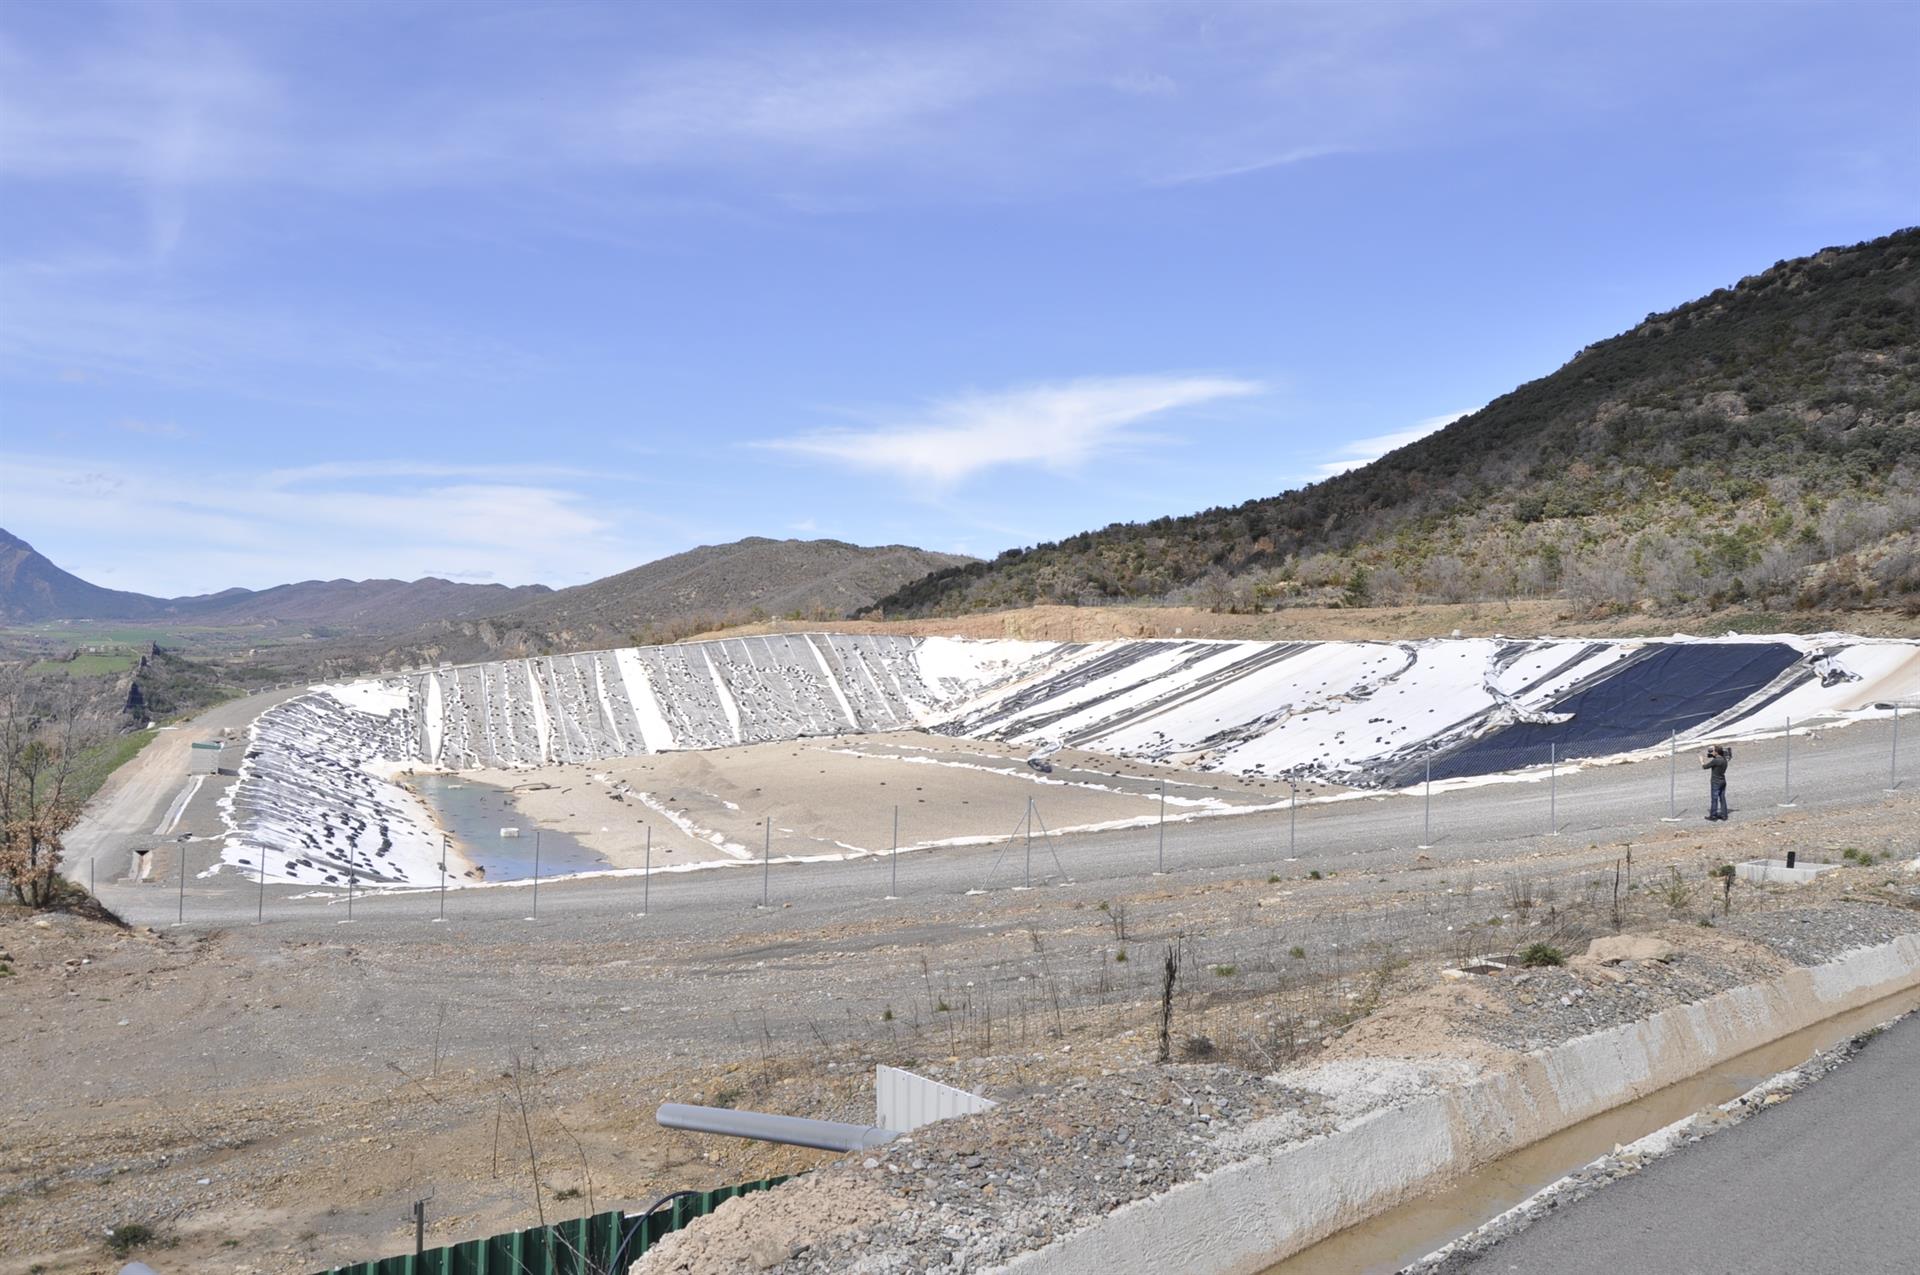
pixel 315 791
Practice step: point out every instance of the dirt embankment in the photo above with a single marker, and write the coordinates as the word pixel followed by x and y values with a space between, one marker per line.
pixel 1528 617
pixel 976 1193
pixel 293 1087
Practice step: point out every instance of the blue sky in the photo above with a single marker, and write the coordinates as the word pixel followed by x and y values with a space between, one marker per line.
pixel 537 292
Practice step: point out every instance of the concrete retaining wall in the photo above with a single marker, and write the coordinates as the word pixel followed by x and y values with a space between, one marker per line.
pixel 1243 1218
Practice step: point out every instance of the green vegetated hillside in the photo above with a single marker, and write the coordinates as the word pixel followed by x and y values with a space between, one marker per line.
pixel 95 705
pixel 122 686
pixel 1760 445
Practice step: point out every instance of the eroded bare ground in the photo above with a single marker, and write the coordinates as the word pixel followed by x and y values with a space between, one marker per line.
pixel 265 1104
pixel 848 795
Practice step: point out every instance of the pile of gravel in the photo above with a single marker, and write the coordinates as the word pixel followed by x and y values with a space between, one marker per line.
pixel 1552 1005
pixel 1811 936
pixel 979 1191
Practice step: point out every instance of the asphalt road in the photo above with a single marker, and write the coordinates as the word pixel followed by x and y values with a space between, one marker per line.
pixel 1822 1184
pixel 124 815
pixel 1832 768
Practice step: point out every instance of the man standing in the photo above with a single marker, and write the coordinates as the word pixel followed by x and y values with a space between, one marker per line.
pixel 1716 759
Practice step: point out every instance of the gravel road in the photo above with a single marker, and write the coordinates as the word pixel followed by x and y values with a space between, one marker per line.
pixel 1833 769
pixel 128 808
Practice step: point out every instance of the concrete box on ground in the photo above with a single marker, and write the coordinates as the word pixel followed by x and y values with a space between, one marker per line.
pixel 1776 871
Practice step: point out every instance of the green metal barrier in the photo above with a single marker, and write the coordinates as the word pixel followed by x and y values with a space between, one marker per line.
pixel 604 1244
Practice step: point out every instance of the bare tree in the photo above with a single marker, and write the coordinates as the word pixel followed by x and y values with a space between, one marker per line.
pixel 38 743
pixel 1170 975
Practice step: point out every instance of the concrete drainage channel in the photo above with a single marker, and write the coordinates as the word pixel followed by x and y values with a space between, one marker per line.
pixel 1514 1130
pixel 1402 1236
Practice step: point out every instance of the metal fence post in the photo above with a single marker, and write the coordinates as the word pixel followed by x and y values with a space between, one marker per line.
pixel 260 915
pixel 445 840
pixel 1426 818
pixel 1293 819
pixel 766 862
pixel 536 875
pixel 1162 859
pixel 182 919
pixel 1553 789
pixel 646 879
pixel 1893 762
pixel 1786 795
pixel 1673 773
pixel 893 859
pixel 1027 876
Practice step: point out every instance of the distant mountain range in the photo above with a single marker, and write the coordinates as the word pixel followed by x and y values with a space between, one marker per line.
pixel 675 597
pixel 34 590
pixel 1758 446
pixel 661 600
pixel 805 578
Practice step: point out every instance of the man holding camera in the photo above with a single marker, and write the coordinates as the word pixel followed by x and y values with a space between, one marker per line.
pixel 1715 759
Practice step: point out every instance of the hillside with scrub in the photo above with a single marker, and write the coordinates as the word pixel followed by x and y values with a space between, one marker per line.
pixel 1758 447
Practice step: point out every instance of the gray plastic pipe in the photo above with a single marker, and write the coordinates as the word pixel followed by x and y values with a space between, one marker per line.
pixel 821 1135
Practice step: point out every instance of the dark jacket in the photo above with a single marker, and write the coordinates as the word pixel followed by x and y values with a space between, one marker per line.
pixel 1718 765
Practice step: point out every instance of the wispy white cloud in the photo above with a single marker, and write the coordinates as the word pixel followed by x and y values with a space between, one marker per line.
pixel 1364 451
pixel 81 317
pixel 177 109
pixel 152 429
pixel 1144 84
pixel 332 472
pixel 1058 426
pixel 1045 96
pixel 179 533
pixel 174 110
pixel 1297 155
pixel 165 112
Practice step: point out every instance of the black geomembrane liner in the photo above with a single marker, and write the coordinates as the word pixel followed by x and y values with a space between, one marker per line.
pixel 1673 688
